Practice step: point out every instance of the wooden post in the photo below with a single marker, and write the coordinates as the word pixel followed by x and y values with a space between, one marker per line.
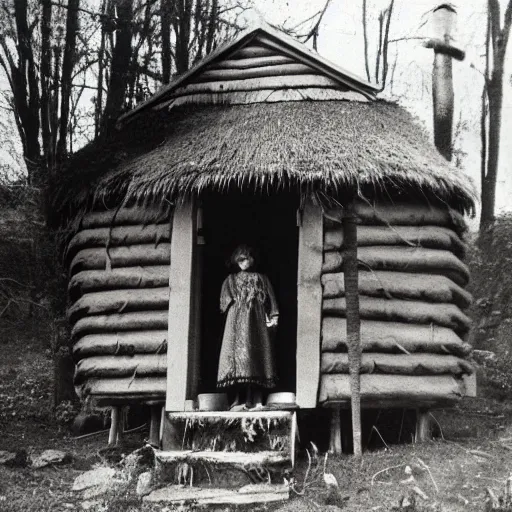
pixel 195 327
pixel 423 425
pixel 309 305
pixel 180 305
pixel 154 425
pixel 335 445
pixel 115 417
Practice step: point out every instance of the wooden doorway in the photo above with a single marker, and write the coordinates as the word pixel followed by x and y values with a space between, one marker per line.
pixel 267 223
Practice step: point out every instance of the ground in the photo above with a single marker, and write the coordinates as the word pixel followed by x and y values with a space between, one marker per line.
pixel 453 472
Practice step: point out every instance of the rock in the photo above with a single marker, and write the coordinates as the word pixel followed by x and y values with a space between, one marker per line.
pixel 91 504
pixel 139 460
pixel 50 457
pixel 7 457
pixel 144 483
pixel 94 478
pixel 87 424
pixel 17 459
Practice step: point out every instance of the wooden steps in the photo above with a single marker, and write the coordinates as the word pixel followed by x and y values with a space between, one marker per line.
pixel 227 450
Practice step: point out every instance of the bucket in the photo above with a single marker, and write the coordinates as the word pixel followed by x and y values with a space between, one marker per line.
pixel 212 401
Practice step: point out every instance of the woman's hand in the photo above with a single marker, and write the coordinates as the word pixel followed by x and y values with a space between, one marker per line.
pixel 273 321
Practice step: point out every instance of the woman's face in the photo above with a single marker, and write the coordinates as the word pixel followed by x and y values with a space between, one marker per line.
pixel 245 262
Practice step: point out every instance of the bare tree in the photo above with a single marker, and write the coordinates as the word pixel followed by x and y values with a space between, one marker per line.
pixel 497 37
pixel 381 56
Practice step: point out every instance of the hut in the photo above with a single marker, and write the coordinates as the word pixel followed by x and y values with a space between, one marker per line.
pixel 259 142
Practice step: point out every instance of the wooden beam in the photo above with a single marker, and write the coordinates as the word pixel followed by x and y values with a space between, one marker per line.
pixel 423 425
pixel 115 419
pixel 180 305
pixel 154 426
pixel 309 306
pixel 252 62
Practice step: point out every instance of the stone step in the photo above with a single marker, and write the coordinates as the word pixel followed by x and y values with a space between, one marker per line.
pixel 189 496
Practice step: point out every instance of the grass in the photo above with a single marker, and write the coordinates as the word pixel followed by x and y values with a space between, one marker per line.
pixel 471 455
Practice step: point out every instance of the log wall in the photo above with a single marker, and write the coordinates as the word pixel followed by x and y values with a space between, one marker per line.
pixel 262 72
pixel 119 298
pixel 412 302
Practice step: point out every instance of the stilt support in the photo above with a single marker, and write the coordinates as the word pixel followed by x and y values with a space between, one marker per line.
pixel 154 426
pixel 423 425
pixel 115 425
pixel 335 446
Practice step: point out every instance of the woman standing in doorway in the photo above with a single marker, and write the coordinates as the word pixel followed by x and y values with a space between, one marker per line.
pixel 247 360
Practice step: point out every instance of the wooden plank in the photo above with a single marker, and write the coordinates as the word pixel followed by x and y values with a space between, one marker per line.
pixel 434 237
pixel 126 216
pixel 119 235
pixel 408 311
pixel 266 96
pixel 252 52
pixel 215 415
pixel 400 285
pixel 139 320
pixel 293 437
pixel 399 364
pixel 341 76
pixel 139 365
pixel 260 72
pixel 257 84
pixel 243 459
pixel 379 336
pixel 397 388
pixel 402 214
pixel 194 376
pixel 309 306
pixel 117 301
pixel 180 302
pixel 251 62
pixel 125 277
pixel 121 343
pixel 404 259
pixel 121 256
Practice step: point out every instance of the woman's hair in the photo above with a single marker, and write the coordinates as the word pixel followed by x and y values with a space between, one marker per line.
pixel 241 251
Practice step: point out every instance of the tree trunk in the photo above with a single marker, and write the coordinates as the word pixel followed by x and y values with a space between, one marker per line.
pixel 26 93
pixel 46 70
pixel 497 44
pixel 67 71
pixel 101 69
pixel 351 278
pixel 165 17
pixel 182 29
pixel 119 73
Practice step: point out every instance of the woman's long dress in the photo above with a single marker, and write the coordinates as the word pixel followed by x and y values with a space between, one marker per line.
pixel 247 355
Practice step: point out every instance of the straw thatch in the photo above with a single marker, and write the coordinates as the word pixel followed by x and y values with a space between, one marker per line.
pixel 324 146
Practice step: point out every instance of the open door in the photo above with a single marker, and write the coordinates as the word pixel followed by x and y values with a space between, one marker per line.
pixel 268 224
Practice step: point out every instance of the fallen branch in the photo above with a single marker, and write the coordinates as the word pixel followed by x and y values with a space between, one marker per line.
pixel 384 470
pixel 425 466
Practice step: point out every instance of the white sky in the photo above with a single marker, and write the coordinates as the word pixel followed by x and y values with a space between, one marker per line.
pixel 341 41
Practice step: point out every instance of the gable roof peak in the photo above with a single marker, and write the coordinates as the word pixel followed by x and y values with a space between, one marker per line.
pixel 258 28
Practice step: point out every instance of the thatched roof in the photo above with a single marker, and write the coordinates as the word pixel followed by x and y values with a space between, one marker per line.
pixel 324 146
